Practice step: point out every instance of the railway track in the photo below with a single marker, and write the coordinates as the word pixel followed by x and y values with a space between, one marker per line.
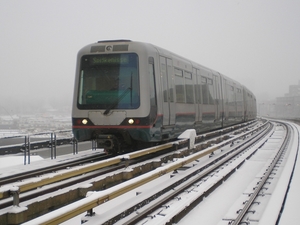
pixel 173 204
pixel 100 179
pixel 39 172
pixel 20 176
pixel 168 203
pixel 260 187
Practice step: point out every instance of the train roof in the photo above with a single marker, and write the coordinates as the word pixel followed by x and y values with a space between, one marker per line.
pixel 161 51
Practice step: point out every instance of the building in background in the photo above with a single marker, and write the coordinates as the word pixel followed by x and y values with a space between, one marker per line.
pixel 289 105
pixel 285 107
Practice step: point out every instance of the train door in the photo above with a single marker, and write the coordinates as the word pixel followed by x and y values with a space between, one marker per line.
pixel 225 102
pixel 231 105
pixel 217 96
pixel 235 102
pixel 212 103
pixel 222 99
pixel 166 71
pixel 198 91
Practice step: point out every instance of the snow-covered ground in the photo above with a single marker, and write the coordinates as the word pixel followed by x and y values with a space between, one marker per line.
pixel 11 161
pixel 289 215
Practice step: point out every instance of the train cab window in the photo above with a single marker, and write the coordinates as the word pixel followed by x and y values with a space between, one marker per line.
pixel 179 86
pixel 109 81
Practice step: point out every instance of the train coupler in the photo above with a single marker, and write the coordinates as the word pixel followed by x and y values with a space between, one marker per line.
pixel 109 142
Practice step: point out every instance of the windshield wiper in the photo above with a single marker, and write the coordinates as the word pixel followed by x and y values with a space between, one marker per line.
pixel 114 104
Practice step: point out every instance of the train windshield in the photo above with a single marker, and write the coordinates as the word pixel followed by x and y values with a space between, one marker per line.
pixel 109 81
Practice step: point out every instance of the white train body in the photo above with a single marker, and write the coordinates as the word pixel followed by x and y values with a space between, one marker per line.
pixel 130 92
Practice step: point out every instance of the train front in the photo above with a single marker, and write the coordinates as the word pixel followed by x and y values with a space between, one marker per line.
pixel 107 100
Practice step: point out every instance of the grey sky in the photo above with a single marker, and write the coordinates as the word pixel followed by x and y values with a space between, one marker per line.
pixel 256 42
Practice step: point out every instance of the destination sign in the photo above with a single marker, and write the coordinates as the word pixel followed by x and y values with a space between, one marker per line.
pixel 109 59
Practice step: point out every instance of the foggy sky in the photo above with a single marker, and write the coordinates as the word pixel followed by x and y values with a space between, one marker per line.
pixel 256 42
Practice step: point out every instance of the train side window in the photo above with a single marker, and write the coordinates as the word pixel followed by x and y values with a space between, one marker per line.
pixel 231 95
pixel 239 97
pixel 179 86
pixel 209 81
pixel 205 91
pixel 211 94
pixel 189 87
pixel 188 75
pixel 152 82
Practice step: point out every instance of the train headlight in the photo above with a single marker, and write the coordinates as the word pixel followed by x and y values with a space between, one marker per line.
pixel 84 121
pixel 131 121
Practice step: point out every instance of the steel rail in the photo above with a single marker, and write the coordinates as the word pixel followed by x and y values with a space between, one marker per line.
pixel 38 172
pixel 156 150
pixel 96 199
pixel 41 181
pixel 248 204
pixel 201 174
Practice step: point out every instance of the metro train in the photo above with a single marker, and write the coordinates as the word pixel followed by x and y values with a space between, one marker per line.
pixel 129 94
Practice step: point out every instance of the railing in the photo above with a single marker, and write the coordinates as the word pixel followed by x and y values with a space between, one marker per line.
pixel 51 142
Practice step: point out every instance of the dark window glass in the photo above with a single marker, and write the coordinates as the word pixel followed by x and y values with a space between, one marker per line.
pixel 109 81
pixel 152 82
pixel 179 86
pixel 189 87
pixel 163 71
